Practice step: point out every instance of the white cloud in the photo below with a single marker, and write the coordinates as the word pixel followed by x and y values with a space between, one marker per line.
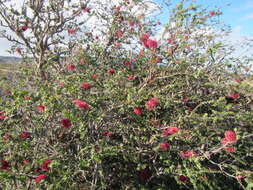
pixel 248 16
pixel 96 25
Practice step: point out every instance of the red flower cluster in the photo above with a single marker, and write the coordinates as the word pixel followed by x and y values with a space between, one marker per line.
pixel 27 98
pixel 138 111
pixel 148 43
pixel 152 103
pixel 106 133
pixel 187 154
pixel 164 146
pixel 85 85
pixel 86 10
pixel 24 28
pixel 234 95
pixel 71 67
pixel 44 166
pixel 41 108
pixel 169 131
pixel 40 177
pixel 127 63
pixel 2 116
pixel 212 13
pixel 94 76
pixel 183 178
pixel 131 78
pixel 61 83
pixel 82 104
pixel 25 135
pixel 111 71
pixel 72 31
pixel 5 165
pixel 230 149
pixel 230 137
pixel 66 123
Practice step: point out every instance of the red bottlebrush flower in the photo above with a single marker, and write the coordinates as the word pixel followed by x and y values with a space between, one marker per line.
pixel 86 10
pixel 164 146
pixel 24 28
pixel 27 98
pixel 138 111
pixel 151 44
pixel 45 165
pixel 230 136
pixel 106 133
pixel 85 85
pixel 25 135
pixel 127 63
pixel 165 132
pixel 144 37
pixel 131 78
pixel 187 154
pixel 71 31
pixel 94 76
pixel 111 71
pixel 40 177
pixel 234 95
pixel 18 50
pixel 230 149
pixel 224 141
pixel 144 174
pixel 183 178
pixel 61 83
pixel 169 131
pixel 71 67
pixel 212 13
pixel 158 22
pixel 66 123
pixel 5 165
pixel 2 116
pixel 151 103
pixel 41 108
pixel 82 104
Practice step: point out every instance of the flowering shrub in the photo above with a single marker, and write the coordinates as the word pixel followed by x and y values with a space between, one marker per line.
pixel 165 127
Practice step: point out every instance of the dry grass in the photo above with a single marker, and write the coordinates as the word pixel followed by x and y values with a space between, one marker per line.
pixel 6 68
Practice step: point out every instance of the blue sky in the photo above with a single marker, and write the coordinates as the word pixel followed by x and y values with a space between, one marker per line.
pixel 238 15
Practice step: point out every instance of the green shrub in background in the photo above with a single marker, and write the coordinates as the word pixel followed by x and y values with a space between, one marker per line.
pixel 173 116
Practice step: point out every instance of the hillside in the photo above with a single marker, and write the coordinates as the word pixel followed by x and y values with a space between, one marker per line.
pixel 8 64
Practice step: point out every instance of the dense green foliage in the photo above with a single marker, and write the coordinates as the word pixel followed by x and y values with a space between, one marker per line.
pixel 170 118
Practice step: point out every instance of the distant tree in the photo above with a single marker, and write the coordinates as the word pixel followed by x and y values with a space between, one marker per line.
pixel 40 26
